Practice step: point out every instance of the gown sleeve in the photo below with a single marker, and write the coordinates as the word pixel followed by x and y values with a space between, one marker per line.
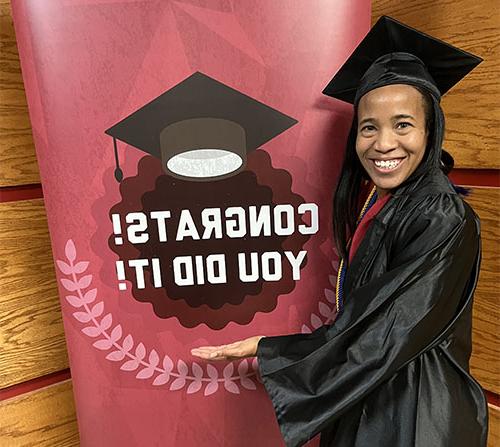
pixel 312 379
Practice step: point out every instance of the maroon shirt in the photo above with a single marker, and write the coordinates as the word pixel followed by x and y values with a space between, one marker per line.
pixel 365 223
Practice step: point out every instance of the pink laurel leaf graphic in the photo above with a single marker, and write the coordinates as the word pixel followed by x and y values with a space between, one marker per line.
pixel 335 265
pixel 161 379
pixel 69 285
pixel 197 370
pixel 140 351
pixel 228 383
pixel 91 331
pixel 64 267
pixel 211 388
pixel 74 301
pixel 244 380
pixel 103 344
pixel 247 383
pixel 80 267
pixel 84 281
pixel 90 313
pixel 130 365
pixel 212 372
pixel 128 343
pixel 97 309
pixel 316 321
pixel 182 368
pixel 89 297
pixel 255 367
pixel 231 386
pixel 116 333
pixel 255 364
pixel 195 386
pixel 330 296
pixel 106 322
pixel 168 364
pixel 333 280
pixel 228 371
pixel 153 358
pixel 324 309
pixel 145 373
pixel 70 250
pixel 305 329
pixel 243 368
pixel 177 384
pixel 116 356
pixel 82 317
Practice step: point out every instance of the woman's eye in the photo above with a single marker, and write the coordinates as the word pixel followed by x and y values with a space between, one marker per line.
pixel 367 128
pixel 403 125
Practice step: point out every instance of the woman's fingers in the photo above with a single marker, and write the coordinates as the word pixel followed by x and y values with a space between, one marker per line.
pixel 208 352
pixel 236 350
pixel 206 348
pixel 216 352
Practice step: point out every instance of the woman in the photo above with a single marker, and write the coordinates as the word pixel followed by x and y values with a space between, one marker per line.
pixel 393 368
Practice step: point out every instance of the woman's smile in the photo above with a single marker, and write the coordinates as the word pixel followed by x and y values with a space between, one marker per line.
pixel 387 166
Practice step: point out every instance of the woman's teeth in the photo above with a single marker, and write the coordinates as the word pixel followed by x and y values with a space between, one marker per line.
pixel 388 164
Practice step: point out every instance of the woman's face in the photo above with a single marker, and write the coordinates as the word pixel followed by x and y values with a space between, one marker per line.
pixel 392 136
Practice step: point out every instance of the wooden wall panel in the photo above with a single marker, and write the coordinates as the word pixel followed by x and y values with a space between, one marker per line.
pixel 31 332
pixel 471 108
pixel 42 418
pixel 485 363
pixel 18 163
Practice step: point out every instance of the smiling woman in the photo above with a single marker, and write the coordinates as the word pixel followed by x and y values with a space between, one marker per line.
pixel 393 369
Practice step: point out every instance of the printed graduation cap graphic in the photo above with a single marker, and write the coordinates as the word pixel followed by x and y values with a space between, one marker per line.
pixel 200 129
pixel 445 64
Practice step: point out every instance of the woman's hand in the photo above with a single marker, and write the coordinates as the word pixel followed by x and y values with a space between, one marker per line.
pixel 237 350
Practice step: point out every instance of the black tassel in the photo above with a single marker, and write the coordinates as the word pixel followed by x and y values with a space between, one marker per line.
pixel 118 171
pixel 462 190
pixel 447 163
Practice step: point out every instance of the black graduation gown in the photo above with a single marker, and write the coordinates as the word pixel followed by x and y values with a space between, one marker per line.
pixel 392 371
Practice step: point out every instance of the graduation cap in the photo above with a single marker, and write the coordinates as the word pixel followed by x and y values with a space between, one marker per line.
pixel 200 129
pixel 393 53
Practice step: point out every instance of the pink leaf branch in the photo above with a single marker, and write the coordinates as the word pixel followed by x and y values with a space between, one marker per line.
pixel 328 312
pixel 137 359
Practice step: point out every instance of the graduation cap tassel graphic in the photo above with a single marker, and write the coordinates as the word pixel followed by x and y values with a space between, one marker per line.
pixel 118 171
pixel 200 129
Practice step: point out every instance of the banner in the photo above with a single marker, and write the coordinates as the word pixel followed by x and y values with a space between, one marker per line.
pixel 188 160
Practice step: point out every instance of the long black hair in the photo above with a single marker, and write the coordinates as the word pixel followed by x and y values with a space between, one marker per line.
pixel 346 200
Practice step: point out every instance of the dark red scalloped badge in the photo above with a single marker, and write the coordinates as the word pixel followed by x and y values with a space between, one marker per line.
pixel 223 250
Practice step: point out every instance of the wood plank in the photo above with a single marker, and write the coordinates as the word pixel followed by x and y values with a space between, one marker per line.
pixel 486 351
pixel 494 426
pixel 31 332
pixel 471 108
pixel 42 418
pixel 18 163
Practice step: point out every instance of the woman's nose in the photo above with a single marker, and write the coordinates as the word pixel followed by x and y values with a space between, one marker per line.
pixel 386 141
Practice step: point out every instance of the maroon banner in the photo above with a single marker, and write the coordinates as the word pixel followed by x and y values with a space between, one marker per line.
pixel 187 159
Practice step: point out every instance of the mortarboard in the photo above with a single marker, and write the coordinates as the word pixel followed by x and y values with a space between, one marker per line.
pixel 200 129
pixel 393 53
